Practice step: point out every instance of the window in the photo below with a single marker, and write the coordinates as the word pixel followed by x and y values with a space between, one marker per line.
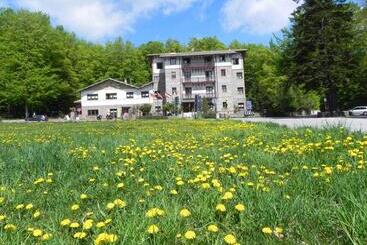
pixel 225 105
pixel 186 60
pixel 224 88
pixel 239 75
pixel 209 90
pixel 240 90
pixel 236 61
pixel 160 65
pixel 208 59
pixel 209 75
pixel 187 75
pixel 241 106
pixel 188 92
pixel 156 78
pixel 223 72
pixel 113 113
pixel 172 61
pixel 174 90
pixel 173 75
pixel 130 95
pixel 92 96
pixel 144 94
pixel 92 112
pixel 111 96
pixel 158 109
pixel 222 58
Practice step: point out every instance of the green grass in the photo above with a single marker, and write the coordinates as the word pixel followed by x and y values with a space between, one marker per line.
pixel 311 183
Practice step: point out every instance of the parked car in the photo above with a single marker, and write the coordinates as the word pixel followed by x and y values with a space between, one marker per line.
pixel 358 111
pixel 37 118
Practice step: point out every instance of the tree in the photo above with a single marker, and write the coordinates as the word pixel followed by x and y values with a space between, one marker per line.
pixel 206 43
pixel 319 53
pixel 145 109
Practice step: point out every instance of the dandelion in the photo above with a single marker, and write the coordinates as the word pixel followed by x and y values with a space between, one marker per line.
pixel 37 233
pixel 74 207
pixel 29 206
pixel 2 217
pixel 36 214
pixel 267 230
pixel 65 222
pixel 220 208
pixel 153 212
pixel 74 225
pixel 173 192
pixel 110 205
pixel 100 224
pixel 227 196
pixel 119 203
pixel 240 207
pixel 120 185
pixel 213 228
pixel 46 237
pixel 104 238
pixel 185 213
pixel 80 235
pixel 83 196
pixel 153 229
pixel 230 239
pixel 20 206
pixel 88 224
pixel 10 227
pixel 190 235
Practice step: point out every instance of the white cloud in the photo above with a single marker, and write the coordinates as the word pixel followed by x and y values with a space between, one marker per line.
pixel 100 19
pixel 257 16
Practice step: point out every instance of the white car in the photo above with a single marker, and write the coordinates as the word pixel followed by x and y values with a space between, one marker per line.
pixel 358 111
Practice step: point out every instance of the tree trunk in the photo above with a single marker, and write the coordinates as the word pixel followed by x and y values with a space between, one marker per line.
pixel 26 110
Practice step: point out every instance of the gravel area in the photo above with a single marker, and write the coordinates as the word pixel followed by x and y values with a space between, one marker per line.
pixel 353 124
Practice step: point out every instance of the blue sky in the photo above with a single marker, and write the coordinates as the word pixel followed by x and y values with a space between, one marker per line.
pixel 140 21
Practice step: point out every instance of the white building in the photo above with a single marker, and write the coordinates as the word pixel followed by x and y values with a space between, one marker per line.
pixel 113 97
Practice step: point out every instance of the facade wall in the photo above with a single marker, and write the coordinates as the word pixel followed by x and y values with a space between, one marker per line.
pixel 120 104
pixel 232 97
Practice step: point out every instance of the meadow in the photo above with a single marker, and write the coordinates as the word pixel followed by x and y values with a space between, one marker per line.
pixel 181 182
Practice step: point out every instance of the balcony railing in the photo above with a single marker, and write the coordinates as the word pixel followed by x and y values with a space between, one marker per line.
pixel 200 65
pixel 199 80
pixel 204 95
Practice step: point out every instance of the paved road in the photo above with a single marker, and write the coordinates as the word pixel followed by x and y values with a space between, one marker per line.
pixel 353 124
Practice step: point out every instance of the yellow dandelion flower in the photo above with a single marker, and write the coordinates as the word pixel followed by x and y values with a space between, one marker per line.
pixel 110 205
pixel 119 203
pixel 80 235
pixel 37 233
pixel 20 206
pixel 173 192
pixel 278 230
pixel 83 196
pixel 104 238
pixel 10 227
pixel 74 207
pixel 190 235
pixel 46 237
pixel 74 225
pixel 227 196
pixel 65 222
pixel 36 214
pixel 100 224
pixel 240 207
pixel 29 206
pixel 2 217
pixel 267 230
pixel 153 229
pixel 120 185
pixel 220 208
pixel 185 213
pixel 88 224
pixel 213 228
pixel 230 239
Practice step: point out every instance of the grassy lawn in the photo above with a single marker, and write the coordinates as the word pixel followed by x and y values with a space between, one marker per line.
pixel 181 182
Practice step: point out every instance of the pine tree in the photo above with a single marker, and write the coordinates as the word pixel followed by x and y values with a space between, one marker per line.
pixel 320 51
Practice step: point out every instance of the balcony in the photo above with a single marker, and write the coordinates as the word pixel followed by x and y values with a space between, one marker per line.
pixel 198 80
pixel 199 65
pixel 202 95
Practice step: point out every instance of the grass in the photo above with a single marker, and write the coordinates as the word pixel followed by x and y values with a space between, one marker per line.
pixel 308 186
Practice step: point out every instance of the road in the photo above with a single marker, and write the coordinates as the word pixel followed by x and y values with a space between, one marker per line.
pixel 353 124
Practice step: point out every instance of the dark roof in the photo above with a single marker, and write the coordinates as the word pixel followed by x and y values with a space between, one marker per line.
pixel 117 81
pixel 199 53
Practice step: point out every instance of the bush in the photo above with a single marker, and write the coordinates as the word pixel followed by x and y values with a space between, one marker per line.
pixel 145 109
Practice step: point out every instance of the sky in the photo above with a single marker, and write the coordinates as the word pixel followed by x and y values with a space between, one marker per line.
pixel 139 21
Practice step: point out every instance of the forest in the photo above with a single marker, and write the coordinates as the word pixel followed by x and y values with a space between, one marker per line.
pixel 318 62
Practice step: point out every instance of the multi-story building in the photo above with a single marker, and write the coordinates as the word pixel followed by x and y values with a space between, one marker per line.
pixel 215 75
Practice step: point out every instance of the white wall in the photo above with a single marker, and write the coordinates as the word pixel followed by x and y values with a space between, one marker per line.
pixel 121 96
